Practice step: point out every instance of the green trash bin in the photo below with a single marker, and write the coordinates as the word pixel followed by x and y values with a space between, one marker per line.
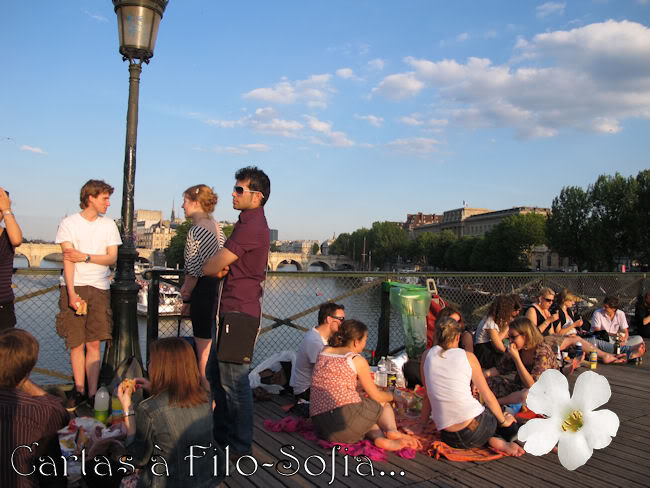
pixel 413 303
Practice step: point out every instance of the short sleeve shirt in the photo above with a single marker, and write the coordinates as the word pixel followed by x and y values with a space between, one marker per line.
pixel 250 241
pixel 201 244
pixel 89 238
pixel 306 357
pixel 482 335
pixel 600 321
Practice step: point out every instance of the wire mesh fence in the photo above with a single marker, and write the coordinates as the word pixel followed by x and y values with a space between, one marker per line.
pixel 292 300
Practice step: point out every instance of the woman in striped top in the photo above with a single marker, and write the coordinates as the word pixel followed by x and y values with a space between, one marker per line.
pixel 199 292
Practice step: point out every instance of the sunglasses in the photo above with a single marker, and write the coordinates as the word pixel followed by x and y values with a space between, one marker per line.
pixel 549 300
pixel 338 318
pixel 239 190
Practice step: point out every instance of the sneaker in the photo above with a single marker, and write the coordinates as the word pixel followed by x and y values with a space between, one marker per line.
pixel 74 399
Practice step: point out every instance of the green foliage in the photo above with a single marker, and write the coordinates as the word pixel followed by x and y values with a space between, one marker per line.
pixel 227 230
pixel 608 222
pixel 315 248
pixel 175 252
pixel 512 240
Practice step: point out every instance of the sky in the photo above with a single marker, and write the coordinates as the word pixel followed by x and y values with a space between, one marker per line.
pixel 359 111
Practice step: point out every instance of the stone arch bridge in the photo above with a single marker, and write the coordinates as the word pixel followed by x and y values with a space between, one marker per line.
pixel 35 253
pixel 304 261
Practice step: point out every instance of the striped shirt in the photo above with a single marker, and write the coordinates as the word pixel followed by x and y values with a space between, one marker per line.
pixel 6 268
pixel 25 419
pixel 201 244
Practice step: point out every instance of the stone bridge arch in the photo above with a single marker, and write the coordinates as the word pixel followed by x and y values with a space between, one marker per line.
pixel 321 263
pixel 297 264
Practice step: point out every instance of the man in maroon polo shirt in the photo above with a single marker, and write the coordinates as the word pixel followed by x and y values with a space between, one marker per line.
pixel 240 310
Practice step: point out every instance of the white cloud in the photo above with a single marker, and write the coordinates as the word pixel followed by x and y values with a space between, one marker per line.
pixel 334 138
pixel 413 120
pixel 264 120
pixel 377 64
pixel 549 8
pixel 345 73
pixel 97 17
pixel 399 86
pixel 256 147
pixel 491 34
pixel 36 150
pixel 588 78
pixel 462 37
pixel 415 145
pixel 372 119
pixel 315 91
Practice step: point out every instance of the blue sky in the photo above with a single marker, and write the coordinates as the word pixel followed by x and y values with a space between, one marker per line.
pixel 357 110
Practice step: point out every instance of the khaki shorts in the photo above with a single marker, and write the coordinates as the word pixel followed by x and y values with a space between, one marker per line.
pixel 349 423
pixel 97 325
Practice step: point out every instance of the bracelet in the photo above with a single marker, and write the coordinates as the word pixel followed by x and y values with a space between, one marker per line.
pixel 7 212
pixel 504 420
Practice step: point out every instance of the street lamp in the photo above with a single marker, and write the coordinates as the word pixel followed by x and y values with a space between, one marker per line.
pixel 137 22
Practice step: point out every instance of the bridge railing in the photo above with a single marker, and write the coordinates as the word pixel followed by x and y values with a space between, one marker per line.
pixel 292 300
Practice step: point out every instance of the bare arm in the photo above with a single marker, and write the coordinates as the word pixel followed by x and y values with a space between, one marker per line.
pixel 523 373
pixel 218 262
pixel 488 397
pixel 497 340
pixel 363 373
pixel 11 225
pixel 108 259
pixel 425 414
pixel 188 286
pixel 68 274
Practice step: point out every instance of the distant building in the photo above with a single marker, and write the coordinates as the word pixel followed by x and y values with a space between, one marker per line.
pixel 418 219
pixel 302 247
pixel 144 219
pixel 479 224
pixel 158 236
pixel 273 234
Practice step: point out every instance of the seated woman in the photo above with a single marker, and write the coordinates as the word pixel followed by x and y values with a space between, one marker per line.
pixel 176 415
pixel 539 313
pixel 464 423
pixel 489 335
pixel 337 410
pixel 568 325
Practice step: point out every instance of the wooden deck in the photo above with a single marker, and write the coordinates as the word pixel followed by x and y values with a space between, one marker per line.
pixel 625 462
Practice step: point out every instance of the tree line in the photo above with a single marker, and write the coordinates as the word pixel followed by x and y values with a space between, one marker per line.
pixel 595 228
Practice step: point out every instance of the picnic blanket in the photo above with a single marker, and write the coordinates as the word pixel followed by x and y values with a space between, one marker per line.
pixel 428 436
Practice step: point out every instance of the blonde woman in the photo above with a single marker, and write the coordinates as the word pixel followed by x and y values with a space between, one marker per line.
pixel 568 324
pixel 540 313
pixel 199 292
pixel 464 423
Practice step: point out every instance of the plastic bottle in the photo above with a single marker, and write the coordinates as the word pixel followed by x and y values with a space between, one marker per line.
pixel 593 360
pixel 102 398
pixel 579 351
pixel 117 412
pixel 381 365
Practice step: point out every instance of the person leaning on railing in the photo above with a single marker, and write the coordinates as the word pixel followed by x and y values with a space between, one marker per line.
pixel 10 237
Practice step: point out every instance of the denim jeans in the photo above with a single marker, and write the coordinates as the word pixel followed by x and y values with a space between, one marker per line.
pixel 474 435
pixel 609 346
pixel 233 411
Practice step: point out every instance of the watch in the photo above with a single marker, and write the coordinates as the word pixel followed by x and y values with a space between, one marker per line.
pixel 87 260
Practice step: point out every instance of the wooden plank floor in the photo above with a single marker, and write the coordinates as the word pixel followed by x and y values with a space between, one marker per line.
pixel 625 463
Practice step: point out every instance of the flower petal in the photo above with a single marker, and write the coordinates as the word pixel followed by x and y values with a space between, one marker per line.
pixel 573 450
pixel 599 428
pixel 549 394
pixel 590 392
pixel 540 435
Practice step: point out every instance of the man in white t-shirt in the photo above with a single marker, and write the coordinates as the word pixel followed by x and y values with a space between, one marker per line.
pixel 89 242
pixel 330 317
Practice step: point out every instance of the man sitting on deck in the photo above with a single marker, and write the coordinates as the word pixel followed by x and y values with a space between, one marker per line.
pixel 612 320
pixel 28 415
pixel 330 317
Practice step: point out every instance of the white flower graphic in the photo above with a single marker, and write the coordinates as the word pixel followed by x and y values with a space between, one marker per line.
pixel 571 422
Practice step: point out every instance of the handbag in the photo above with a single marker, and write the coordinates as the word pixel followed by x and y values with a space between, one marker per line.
pixel 236 337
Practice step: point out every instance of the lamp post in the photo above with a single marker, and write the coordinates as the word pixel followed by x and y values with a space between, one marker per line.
pixel 137 22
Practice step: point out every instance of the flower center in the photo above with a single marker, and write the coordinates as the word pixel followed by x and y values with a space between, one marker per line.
pixel 573 422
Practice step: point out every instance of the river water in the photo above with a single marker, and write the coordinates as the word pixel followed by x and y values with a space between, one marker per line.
pixel 286 296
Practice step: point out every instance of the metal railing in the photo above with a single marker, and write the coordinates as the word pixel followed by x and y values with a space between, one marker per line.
pixel 292 300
